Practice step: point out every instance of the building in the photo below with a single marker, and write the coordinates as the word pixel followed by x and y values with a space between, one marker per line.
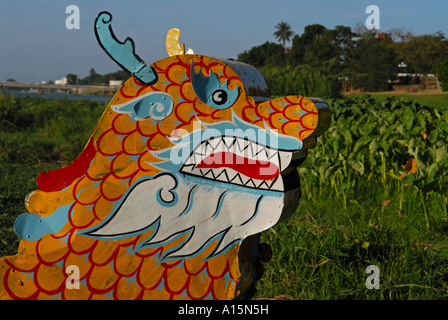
pixel 62 81
pixel 115 83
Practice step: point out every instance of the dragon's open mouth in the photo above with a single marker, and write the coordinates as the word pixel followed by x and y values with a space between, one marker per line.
pixel 239 161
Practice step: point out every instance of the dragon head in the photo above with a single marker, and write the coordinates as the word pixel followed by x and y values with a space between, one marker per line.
pixel 190 160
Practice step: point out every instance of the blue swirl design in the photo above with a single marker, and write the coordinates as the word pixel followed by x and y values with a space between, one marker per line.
pixel 154 105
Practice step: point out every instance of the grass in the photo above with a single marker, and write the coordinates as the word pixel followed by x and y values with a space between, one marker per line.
pixel 36 135
pixel 322 252
pixel 349 217
pixel 431 97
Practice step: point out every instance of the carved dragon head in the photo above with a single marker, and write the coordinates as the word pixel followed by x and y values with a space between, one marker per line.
pixel 190 159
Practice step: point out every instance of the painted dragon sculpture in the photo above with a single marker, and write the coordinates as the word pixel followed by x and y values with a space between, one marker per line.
pixel 189 163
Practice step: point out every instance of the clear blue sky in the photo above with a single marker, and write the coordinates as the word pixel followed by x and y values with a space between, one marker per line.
pixel 36 46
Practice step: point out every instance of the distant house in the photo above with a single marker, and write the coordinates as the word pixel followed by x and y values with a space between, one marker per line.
pixel 115 83
pixel 62 81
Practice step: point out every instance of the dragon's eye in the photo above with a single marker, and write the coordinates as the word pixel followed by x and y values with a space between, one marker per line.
pixel 219 97
pixel 211 91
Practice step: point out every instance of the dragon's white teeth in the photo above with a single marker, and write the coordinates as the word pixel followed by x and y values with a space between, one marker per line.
pixel 261 154
pixel 241 147
pixel 228 143
pixel 209 174
pixel 244 148
pixel 223 176
pixel 213 145
pixel 228 175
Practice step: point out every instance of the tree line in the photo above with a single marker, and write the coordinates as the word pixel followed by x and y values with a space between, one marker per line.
pixel 321 60
pixel 96 78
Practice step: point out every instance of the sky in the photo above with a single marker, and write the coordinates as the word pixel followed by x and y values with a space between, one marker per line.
pixel 35 44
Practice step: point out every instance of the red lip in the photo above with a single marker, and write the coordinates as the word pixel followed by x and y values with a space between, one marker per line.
pixel 255 169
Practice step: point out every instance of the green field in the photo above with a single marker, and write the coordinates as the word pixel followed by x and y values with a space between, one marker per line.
pixel 361 205
pixel 432 97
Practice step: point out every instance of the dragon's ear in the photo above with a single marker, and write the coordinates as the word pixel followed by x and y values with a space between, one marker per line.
pixel 123 53
pixel 154 105
pixel 211 91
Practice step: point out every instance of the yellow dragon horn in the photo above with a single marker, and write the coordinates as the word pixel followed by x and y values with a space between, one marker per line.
pixel 173 47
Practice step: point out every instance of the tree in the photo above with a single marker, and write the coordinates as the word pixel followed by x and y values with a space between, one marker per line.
pixel 423 53
pixel 71 78
pixel 269 53
pixel 341 38
pixel 118 75
pixel 373 61
pixel 284 32
pixel 442 73
pixel 93 78
pixel 301 44
pixel 322 47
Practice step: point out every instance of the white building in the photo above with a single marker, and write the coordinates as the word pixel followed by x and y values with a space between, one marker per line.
pixel 115 83
pixel 62 81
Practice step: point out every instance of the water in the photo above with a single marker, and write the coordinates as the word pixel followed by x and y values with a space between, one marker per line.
pixel 58 95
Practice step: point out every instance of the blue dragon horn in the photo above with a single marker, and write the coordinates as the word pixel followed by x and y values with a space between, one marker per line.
pixel 123 53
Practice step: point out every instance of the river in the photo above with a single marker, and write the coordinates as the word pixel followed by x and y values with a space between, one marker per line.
pixel 56 95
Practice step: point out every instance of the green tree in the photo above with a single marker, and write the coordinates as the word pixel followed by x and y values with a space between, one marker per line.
pixel 303 80
pixel 373 61
pixel 342 40
pixel 442 73
pixel 301 43
pixel 269 53
pixel 118 75
pixel 93 78
pixel 71 78
pixel 283 33
pixel 423 53
pixel 319 47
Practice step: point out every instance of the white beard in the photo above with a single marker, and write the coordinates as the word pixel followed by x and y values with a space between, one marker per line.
pixel 206 211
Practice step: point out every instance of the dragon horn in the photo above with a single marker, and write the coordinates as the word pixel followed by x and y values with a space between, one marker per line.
pixel 123 53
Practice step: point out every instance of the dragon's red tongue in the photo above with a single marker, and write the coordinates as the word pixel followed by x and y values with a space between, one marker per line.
pixel 255 169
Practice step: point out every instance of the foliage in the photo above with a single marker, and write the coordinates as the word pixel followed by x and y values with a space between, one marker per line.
pixel 422 53
pixel 96 78
pixel 267 54
pixel 366 59
pixel 373 193
pixel 442 72
pixel 373 62
pixel 303 80
pixel 35 130
pixel 318 44
pixel 375 130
